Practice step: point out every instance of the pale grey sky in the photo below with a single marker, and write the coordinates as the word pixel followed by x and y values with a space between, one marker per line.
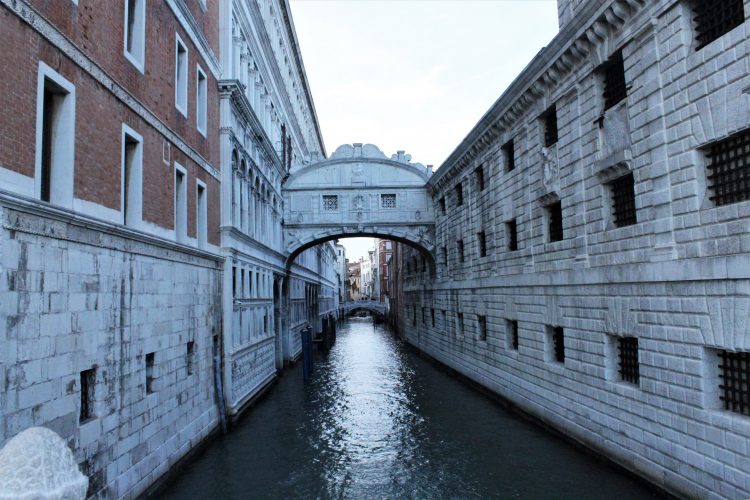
pixel 413 74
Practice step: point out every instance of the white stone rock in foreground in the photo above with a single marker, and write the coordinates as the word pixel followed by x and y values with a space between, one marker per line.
pixel 37 464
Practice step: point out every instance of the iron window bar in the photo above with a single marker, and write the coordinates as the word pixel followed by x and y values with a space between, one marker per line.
pixel 512 235
pixel 558 340
pixel 714 18
pixel 729 169
pixel 628 362
pixel 734 372
pixel 555 221
pixel 550 127
pixel 623 196
pixel 615 87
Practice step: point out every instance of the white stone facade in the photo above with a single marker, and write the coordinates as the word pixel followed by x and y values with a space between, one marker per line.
pixel 678 280
pixel 268 127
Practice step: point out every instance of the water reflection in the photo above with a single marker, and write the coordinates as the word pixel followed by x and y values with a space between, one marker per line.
pixel 377 421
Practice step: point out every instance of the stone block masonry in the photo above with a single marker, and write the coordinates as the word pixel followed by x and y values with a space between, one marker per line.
pixel 77 298
pixel 625 324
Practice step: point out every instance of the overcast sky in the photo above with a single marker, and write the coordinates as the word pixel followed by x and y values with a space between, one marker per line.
pixel 413 75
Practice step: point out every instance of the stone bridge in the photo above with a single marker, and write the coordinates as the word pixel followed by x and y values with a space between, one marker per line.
pixel 367 305
pixel 359 191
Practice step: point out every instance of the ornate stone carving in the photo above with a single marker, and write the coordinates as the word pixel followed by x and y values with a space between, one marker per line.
pixel 358 202
pixel 37 463
pixel 550 170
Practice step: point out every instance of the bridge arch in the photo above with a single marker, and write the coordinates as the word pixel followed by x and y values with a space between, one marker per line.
pixel 359 191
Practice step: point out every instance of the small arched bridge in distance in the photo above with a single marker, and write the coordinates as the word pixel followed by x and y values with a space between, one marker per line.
pixel 364 305
pixel 359 191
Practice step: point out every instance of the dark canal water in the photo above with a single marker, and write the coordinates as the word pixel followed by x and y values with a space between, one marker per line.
pixel 377 421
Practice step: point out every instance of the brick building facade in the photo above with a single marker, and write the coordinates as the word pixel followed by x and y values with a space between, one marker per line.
pixel 592 241
pixel 116 303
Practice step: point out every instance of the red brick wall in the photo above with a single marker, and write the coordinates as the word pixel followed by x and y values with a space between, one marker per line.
pixel 99 115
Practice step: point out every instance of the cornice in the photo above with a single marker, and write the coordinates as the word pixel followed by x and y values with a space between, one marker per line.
pixel 592 25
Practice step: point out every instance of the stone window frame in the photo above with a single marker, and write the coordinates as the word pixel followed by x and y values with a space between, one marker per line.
pixel 480 178
pixel 136 56
pixel 548 119
pixel 62 165
pixel 511 235
pixel 550 212
pixel 482 244
pixel 713 380
pixel 509 155
pixel 694 8
pixel 704 160
pixel 201 213
pixel 388 201
pixel 87 408
pixel 201 100
pixel 329 203
pixel 181 70
pixel 459 192
pixel 131 175
pixel 555 340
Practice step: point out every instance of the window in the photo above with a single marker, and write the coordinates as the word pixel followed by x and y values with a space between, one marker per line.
pixel 459 195
pixel 623 201
pixel 181 76
pixel 190 354
pixel 132 177
pixel 330 203
pixel 442 205
pixel 615 87
pixel 482 244
pixel 234 281
pixel 627 350
pixel 482 325
pixel 729 169
pixel 479 174
pixel 511 233
pixel 734 374
pixel 201 218
pixel 714 18
pixel 88 385
pixel 388 201
pixel 550 126
pixel 511 328
pixel 558 343
pixel 55 137
pixel 135 32
pixel 555 222
pixel 201 101
pixel 432 314
pixel 460 244
pixel 460 323
pixel 509 155
pixel 149 373
pixel 180 203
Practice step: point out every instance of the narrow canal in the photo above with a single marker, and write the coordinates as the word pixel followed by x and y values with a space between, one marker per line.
pixel 378 421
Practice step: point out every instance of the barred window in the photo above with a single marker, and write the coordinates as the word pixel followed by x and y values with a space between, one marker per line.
pixel 714 18
pixel 445 256
pixel 482 243
pixel 734 372
pixel 615 87
pixel 459 195
pixel 479 173
pixel 88 384
pixel 388 201
pixel 190 355
pixel 555 221
pixel 558 344
pixel 510 156
pixel 330 203
pixel 512 329
pixel 550 126
pixel 150 373
pixel 482 324
pixel 460 319
pixel 623 201
pixel 511 232
pixel 627 348
pixel 442 205
pixel 729 169
pixel 460 245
